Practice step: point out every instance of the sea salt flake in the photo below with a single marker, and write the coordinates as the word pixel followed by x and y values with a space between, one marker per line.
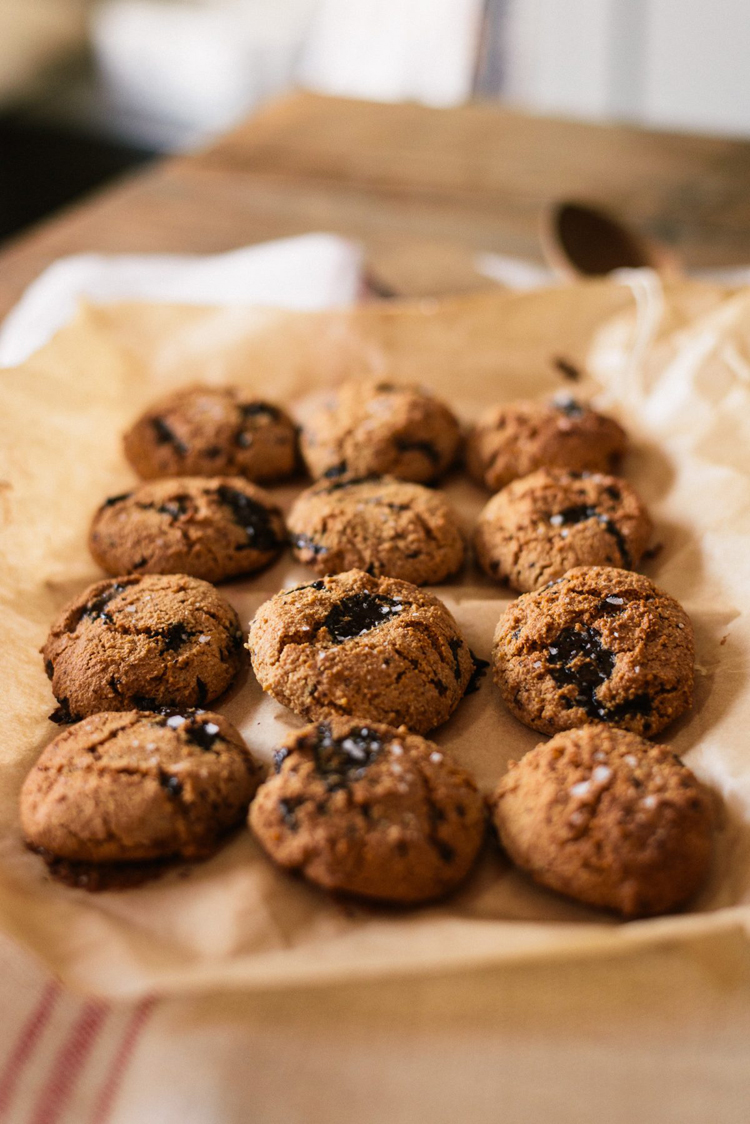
pixel 203 639
pixel 631 760
pixel 556 520
pixel 436 757
pixel 581 789
pixel 649 801
pixel 176 721
pixel 396 768
pixel 601 774
pixel 354 750
pixel 211 728
pixel 397 749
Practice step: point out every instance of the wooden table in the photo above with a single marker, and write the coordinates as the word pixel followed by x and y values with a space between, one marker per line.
pixel 420 187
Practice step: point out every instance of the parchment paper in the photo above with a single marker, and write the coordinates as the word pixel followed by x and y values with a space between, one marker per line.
pixel 672 364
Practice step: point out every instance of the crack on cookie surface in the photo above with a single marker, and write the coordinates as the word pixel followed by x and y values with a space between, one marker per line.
pixel 165 435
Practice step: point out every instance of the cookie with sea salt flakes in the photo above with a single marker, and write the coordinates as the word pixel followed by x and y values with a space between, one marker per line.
pixel 607 818
pixel 209 527
pixel 139 643
pixel 371 810
pixel 518 438
pixel 377 427
pixel 352 644
pixel 213 431
pixel 597 645
pixel 125 787
pixel 551 521
pixel 379 524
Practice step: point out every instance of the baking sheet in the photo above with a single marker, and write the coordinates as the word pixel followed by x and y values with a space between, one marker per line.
pixel 673 364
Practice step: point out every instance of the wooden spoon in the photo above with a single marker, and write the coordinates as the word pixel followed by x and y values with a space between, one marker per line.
pixel 579 240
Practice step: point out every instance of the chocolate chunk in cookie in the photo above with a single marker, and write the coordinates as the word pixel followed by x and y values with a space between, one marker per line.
pixel 138 643
pixel 213 431
pixel 551 521
pixel 371 810
pixel 378 648
pixel 382 525
pixel 130 787
pixel 376 427
pixel 516 439
pixel 607 818
pixel 598 645
pixel 209 527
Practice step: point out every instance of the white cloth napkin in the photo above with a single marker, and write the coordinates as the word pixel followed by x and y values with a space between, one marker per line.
pixel 313 271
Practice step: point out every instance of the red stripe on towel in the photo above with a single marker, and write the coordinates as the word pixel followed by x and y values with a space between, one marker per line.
pixel 120 1062
pixel 26 1042
pixel 68 1063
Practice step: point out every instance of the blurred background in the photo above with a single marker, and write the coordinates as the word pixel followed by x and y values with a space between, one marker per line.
pixel 89 88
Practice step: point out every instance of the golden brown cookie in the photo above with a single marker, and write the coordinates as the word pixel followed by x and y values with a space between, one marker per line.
pixel 376 427
pixel 380 524
pixel 370 810
pixel 518 438
pixel 135 643
pixel 209 527
pixel 121 787
pixel 598 645
pixel 608 819
pixel 352 644
pixel 213 431
pixel 550 521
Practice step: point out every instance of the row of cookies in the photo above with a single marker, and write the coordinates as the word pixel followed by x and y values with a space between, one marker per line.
pixel 349 685
pixel 220 528
pixel 565 513
pixel 371 427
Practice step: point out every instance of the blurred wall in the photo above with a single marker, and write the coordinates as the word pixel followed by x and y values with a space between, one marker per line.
pixel 669 63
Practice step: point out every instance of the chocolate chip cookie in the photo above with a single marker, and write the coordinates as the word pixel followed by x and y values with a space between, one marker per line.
pixel 380 524
pixel 608 819
pixel 209 527
pixel 353 644
pixel 376 427
pixel 213 431
pixel 598 645
pixel 370 810
pixel 121 787
pixel 550 521
pixel 139 643
pixel 516 439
